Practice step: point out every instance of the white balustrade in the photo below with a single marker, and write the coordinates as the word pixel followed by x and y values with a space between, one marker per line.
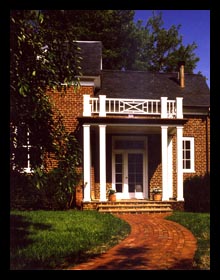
pixel 163 107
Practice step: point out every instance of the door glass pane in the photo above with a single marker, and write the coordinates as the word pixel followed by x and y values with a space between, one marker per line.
pixel 118 172
pixel 135 172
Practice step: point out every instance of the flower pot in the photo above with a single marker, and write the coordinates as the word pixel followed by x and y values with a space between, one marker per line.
pixel 112 197
pixel 157 196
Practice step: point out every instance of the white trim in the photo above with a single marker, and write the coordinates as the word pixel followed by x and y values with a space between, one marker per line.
pixel 170 167
pixel 89 42
pixel 179 154
pixel 86 84
pixel 86 163
pixel 179 107
pixel 164 156
pixel 102 161
pixel 192 153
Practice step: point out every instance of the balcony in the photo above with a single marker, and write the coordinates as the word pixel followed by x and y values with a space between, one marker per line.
pixel 103 106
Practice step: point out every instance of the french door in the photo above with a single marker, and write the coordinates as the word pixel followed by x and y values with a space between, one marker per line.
pixel 129 174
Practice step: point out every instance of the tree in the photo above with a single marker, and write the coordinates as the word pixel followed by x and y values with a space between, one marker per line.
pixel 113 27
pixel 126 44
pixel 37 61
pixel 162 49
pixel 39 58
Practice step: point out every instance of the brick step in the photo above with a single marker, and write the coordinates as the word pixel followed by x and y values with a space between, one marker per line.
pixel 132 202
pixel 133 205
pixel 132 210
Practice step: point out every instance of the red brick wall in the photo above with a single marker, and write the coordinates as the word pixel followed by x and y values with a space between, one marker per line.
pixel 196 127
pixel 69 104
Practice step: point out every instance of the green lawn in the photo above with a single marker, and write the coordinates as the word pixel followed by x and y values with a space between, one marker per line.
pixel 199 225
pixel 56 239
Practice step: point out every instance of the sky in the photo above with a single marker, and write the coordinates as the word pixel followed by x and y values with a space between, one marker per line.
pixel 195 27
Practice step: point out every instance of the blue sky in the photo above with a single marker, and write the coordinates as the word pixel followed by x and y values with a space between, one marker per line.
pixel 195 27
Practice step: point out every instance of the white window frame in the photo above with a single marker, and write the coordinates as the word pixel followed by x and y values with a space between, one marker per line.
pixel 27 146
pixel 192 154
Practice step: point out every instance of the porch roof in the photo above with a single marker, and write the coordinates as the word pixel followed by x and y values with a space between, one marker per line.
pixel 153 85
pixel 130 121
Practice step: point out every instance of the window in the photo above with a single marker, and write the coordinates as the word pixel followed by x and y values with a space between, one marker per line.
pixel 24 154
pixel 188 154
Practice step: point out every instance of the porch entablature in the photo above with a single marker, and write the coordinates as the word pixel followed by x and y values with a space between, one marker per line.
pixel 104 106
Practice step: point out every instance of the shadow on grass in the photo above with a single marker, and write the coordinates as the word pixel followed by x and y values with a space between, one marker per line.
pixel 20 239
pixel 19 233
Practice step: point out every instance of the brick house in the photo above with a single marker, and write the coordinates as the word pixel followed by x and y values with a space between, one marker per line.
pixel 138 130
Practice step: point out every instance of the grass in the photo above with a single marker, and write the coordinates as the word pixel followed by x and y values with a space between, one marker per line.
pixel 57 239
pixel 199 225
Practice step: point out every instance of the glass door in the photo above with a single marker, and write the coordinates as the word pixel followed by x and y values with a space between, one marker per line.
pixel 129 175
pixel 135 172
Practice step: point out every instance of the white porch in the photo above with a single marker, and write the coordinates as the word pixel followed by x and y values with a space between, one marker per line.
pixel 165 110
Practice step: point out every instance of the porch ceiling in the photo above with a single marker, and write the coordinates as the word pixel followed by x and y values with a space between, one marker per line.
pixel 133 130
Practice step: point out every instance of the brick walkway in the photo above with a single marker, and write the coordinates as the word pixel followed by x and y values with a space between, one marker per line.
pixel 153 244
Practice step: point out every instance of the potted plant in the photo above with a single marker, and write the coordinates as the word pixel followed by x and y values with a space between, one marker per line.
pixel 157 193
pixel 112 195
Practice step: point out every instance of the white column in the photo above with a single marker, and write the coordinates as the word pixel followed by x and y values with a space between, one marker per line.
pixel 102 161
pixel 102 107
pixel 179 154
pixel 179 107
pixel 86 105
pixel 164 151
pixel 86 162
pixel 163 110
pixel 170 168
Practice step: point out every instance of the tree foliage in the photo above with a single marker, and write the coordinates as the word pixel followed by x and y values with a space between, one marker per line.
pixel 38 60
pixel 162 48
pixel 126 44
pixel 41 58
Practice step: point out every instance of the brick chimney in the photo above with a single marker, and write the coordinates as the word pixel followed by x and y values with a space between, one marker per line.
pixel 181 74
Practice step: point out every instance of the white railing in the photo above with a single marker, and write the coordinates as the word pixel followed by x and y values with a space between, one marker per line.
pixel 132 106
pixel 163 107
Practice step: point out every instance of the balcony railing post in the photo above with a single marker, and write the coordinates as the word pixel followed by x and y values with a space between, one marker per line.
pixel 163 112
pixel 102 105
pixel 86 105
pixel 179 107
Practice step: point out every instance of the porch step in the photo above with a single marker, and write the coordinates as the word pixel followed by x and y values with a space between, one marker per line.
pixel 134 207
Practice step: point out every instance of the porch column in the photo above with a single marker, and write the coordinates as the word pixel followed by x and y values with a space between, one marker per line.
pixel 102 161
pixel 86 162
pixel 179 154
pixel 179 107
pixel 170 168
pixel 163 102
pixel 164 150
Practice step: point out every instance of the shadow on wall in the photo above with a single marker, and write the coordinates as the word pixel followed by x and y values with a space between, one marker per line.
pixel 197 193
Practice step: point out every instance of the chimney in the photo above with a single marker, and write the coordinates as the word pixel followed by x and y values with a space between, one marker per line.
pixel 181 74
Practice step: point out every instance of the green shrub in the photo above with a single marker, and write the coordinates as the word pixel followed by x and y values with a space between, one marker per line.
pixel 197 193
pixel 23 195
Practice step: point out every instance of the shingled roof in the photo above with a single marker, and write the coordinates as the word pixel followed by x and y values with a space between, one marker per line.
pixel 152 85
pixel 91 52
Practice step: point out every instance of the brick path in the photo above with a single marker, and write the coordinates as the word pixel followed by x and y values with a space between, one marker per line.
pixel 153 244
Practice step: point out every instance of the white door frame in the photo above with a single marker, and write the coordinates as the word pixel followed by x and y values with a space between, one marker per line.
pixel 125 194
